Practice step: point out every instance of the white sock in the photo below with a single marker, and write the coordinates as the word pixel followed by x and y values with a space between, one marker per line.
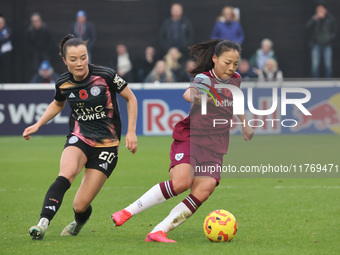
pixel 43 222
pixel 179 214
pixel 156 195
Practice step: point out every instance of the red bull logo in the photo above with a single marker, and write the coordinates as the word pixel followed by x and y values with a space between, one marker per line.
pixel 158 119
pixel 325 115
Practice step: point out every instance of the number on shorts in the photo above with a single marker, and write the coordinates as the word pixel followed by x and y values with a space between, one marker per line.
pixel 105 155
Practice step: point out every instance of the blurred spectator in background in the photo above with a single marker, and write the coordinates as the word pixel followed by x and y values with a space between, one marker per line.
pixel 228 28
pixel 176 31
pixel 160 74
pixel 185 75
pixel 85 30
pixel 146 64
pixel 245 70
pixel 122 62
pixel 40 40
pixel 324 30
pixel 45 74
pixel 261 55
pixel 5 51
pixel 270 71
pixel 173 61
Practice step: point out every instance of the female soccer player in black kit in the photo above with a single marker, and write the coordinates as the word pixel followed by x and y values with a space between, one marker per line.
pixel 95 130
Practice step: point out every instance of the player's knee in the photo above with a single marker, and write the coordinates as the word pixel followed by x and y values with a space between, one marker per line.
pixel 181 185
pixel 68 174
pixel 79 207
pixel 69 171
pixel 202 196
pixel 202 191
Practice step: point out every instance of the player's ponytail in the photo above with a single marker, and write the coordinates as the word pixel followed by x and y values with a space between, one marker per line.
pixel 203 53
pixel 69 40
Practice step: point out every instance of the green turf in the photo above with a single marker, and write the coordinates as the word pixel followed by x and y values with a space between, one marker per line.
pixel 275 215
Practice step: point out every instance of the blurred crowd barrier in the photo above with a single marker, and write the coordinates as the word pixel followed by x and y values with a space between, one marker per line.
pixel 290 107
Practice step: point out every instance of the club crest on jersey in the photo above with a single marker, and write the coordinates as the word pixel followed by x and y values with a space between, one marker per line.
pixel 179 156
pixel 119 81
pixel 95 91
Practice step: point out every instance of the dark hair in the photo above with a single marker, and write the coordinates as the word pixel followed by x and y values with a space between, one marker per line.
pixel 69 40
pixel 203 53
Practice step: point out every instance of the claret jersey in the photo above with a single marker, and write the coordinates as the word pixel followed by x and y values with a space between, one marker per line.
pixel 198 128
pixel 95 117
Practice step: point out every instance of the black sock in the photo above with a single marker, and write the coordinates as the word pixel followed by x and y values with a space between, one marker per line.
pixel 84 216
pixel 54 197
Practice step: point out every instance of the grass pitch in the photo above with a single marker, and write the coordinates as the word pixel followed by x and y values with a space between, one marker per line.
pixel 275 215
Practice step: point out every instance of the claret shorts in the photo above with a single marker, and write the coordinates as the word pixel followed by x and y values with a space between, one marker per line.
pixel 205 162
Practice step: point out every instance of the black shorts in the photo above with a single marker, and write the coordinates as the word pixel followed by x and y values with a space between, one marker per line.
pixel 103 159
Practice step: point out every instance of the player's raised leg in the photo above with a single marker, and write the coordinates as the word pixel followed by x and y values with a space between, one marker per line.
pixel 72 161
pixel 92 182
pixel 201 189
pixel 180 182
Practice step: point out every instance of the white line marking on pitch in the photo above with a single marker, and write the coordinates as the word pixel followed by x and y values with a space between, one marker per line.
pixel 307 187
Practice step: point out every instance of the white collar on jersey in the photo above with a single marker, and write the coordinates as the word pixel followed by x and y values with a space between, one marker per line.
pixel 213 74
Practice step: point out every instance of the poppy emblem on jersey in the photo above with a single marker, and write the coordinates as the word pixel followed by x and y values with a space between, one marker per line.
pixel 73 139
pixel 179 156
pixel 83 94
pixel 95 91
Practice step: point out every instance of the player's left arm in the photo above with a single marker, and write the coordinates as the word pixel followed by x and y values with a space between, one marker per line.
pixel 247 131
pixel 132 108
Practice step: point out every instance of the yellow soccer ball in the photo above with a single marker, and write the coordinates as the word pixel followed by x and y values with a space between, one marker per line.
pixel 220 226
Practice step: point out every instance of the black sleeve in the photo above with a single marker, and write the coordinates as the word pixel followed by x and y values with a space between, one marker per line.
pixel 58 96
pixel 118 83
pixel 190 32
pixel 163 35
pixel 113 80
pixel 310 23
pixel 334 28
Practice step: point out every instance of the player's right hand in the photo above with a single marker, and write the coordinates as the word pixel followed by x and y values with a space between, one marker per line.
pixel 28 131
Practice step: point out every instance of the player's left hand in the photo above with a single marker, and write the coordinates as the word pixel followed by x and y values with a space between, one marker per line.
pixel 247 132
pixel 131 142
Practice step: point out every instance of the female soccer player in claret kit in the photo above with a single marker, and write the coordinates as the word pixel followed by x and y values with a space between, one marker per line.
pixel 95 131
pixel 196 143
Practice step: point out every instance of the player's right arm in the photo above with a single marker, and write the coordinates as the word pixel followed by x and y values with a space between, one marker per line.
pixel 193 94
pixel 52 110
